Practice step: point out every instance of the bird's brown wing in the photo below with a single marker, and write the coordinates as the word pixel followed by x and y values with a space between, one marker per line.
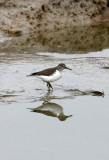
pixel 46 72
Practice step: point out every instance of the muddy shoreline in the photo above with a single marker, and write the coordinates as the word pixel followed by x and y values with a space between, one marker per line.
pixel 68 40
pixel 19 17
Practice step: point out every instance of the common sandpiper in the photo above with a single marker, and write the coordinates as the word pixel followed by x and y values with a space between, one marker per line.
pixel 51 74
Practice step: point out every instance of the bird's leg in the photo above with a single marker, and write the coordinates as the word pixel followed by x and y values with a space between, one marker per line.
pixel 50 85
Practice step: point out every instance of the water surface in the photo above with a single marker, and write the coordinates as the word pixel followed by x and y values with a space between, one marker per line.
pixel 70 122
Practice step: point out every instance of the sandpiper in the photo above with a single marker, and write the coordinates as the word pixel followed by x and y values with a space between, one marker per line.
pixel 51 74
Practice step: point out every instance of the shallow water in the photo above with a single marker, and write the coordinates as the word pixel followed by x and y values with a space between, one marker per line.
pixel 70 122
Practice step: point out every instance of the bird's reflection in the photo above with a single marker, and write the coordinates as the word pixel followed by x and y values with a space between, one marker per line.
pixel 51 109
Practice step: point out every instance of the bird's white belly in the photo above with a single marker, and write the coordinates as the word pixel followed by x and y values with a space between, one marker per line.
pixel 55 76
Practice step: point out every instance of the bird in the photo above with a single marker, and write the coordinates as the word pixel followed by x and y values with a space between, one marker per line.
pixel 50 74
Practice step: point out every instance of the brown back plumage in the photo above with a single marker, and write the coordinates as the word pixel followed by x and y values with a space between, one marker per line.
pixel 46 72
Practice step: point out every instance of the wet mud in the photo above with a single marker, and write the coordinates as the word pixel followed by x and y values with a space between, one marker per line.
pixel 69 40
pixel 20 16
pixel 81 81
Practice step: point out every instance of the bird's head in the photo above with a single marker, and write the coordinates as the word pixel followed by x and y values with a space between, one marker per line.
pixel 62 66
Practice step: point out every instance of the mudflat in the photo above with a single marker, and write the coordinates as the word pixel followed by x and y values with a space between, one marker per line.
pixel 20 16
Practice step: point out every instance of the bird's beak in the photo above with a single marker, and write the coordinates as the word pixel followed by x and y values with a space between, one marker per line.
pixel 68 68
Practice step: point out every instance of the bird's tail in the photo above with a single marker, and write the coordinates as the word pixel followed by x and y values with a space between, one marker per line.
pixel 32 74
